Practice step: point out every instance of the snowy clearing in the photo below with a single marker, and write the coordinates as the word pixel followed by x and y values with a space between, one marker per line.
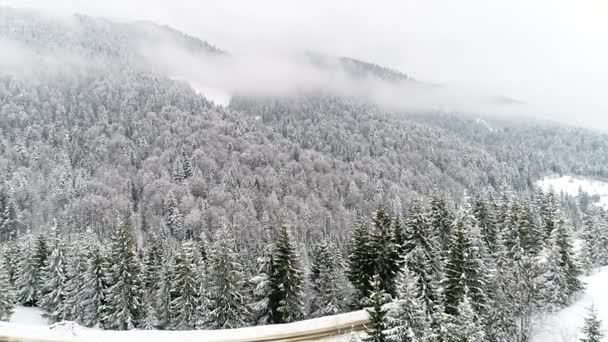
pixel 571 185
pixel 565 325
pixel 71 332
pixel 28 316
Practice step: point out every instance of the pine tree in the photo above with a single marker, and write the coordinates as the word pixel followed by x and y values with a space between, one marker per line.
pixel 227 298
pixel 324 279
pixel 124 302
pixel 8 216
pixel 487 223
pixel 76 268
pixel 385 251
pixel 185 290
pixel 441 220
pixel 27 282
pixel 153 263
pixel 360 261
pixel 173 217
pixel 7 296
pixel 561 270
pixel 466 326
pixel 465 268
pixel 423 258
pixel 376 327
pixel 10 261
pixel 407 320
pixel 285 299
pixel 94 287
pixel 592 329
pixel 53 287
pixel 261 288
pixel 591 249
pixel 162 299
pixel 550 214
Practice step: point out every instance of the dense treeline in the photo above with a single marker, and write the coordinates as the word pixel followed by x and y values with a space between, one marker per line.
pixel 484 269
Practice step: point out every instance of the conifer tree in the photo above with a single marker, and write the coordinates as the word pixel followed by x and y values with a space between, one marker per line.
pixel 10 261
pixel 76 267
pixel 376 327
pixel 185 290
pixel 26 282
pixel 466 325
pixel 94 287
pixel 549 213
pixel 465 268
pixel 407 320
pixel 486 220
pixel 285 299
pixel 324 279
pixel 261 289
pixel 124 302
pixel 360 260
pixel 227 297
pixel 441 220
pixel 53 287
pixel 173 217
pixel 592 330
pixel 385 251
pixel 591 249
pixel 162 299
pixel 422 258
pixel 7 295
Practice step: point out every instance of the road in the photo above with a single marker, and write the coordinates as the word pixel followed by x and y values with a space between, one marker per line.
pixel 319 329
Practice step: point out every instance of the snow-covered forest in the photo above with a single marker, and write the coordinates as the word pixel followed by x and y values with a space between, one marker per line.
pixel 128 200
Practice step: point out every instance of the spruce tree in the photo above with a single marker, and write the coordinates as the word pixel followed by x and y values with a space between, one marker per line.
pixel 10 260
pixel 261 289
pixel 407 319
pixel 465 268
pixel 384 250
pixel 360 268
pixel 26 283
pixel 465 325
pixel 591 250
pixel 94 287
pixel 124 302
pixel 376 327
pixel 53 287
pixel 486 220
pixel 7 295
pixel 76 268
pixel 324 279
pixel 592 330
pixel 285 299
pixel 550 214
pixel 162 299
pixel 423 258
pixel 441 220
pixel 185 290
pixel 227 297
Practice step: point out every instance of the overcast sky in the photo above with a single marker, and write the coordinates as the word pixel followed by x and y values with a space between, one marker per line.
pixel 551 54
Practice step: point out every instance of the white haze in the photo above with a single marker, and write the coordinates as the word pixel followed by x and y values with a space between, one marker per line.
pixel 550 54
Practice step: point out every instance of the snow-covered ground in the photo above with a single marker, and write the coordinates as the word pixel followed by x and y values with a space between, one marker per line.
pixel 572 184
pixel 28 316
pixel 565 325
pixel 27 324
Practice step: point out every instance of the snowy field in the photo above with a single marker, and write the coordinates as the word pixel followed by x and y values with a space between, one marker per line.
pixel 565 325
pixel 571 185
pixel 26 323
